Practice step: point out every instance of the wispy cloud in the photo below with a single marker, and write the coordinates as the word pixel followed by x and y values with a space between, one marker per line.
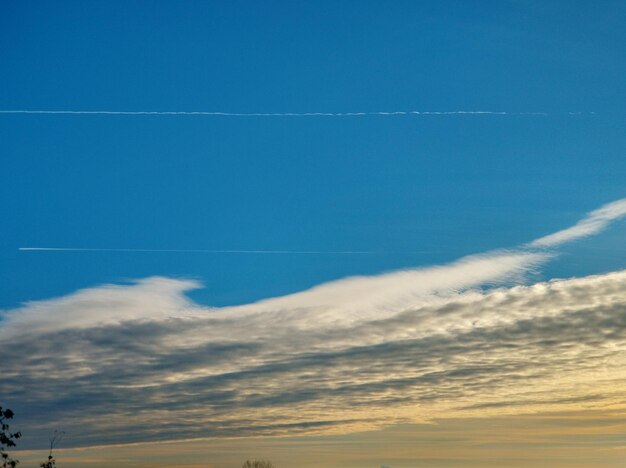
pixel 113 362
pixel 593 223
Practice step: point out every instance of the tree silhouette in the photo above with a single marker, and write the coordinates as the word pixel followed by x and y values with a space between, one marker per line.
pixel 7 438
pixel 258 464
pixel 55 438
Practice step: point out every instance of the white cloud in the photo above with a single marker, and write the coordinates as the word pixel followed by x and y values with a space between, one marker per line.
pixel 153 299
pixel 593 223
pixel 374 297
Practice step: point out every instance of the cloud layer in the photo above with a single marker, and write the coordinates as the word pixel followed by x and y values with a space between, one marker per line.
pixel 140 362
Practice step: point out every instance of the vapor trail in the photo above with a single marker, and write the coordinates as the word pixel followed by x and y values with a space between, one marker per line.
pixel 270 114
pixel 593 223
pixel 275 252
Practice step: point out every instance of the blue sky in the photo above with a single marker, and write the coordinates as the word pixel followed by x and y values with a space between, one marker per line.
pixel 431 188
pixel 412 190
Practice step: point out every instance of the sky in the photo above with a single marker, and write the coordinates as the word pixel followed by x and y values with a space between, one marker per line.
pixel 330 234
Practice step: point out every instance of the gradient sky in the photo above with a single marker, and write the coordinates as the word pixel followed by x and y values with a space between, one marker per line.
pixel 451 342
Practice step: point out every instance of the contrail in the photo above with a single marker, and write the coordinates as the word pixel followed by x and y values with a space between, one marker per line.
pixel 276 252
pixel 593 223
pixel 272 114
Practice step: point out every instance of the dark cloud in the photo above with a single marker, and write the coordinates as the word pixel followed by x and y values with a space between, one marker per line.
pixel 203 373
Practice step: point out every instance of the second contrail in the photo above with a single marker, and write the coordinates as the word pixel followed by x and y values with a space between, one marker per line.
pixel 275 252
